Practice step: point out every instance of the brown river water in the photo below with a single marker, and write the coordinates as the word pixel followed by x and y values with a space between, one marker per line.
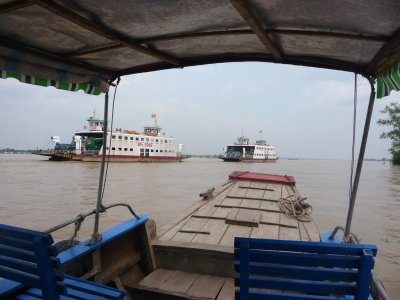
pixel 39 194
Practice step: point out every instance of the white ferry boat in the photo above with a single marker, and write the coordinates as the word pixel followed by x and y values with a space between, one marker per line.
pixel 122 145
pixel 243 151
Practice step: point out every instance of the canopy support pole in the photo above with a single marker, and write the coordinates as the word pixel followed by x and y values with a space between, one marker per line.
pixel 96 236
pixel 360 162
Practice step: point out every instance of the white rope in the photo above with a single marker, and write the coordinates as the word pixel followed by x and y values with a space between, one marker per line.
pixel 294 207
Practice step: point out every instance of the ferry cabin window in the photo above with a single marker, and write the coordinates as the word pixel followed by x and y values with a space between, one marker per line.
pixel 131 149
pixel 125 149
pixel 156 150
pixel 142 139
pixel 156 140
pixel 147 139
pixel 113 137
pixel 120 149
pixel 152 150
pixel 137 138
pixel 161 151
pixel 120 137
pixel 113 148
pixel 126 138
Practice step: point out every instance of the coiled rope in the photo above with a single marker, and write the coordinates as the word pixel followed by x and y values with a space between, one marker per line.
pixel 294 207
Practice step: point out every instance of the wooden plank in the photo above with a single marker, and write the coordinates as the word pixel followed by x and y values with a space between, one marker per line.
pixel 259 185
pixel 286 221
pixel 221 212
pixel 228 290
pixel 221 196
pixel 232 215
pixel 183 237
pixel 265 231
pixel 171 224
pixel 194 225
pixel 287 191
pixel 253 193
pixel 230 202
pixel 312 231
pixel 238 192
pixel 157 278
pixel 209 217
pixel 250 203
pixel 287 233
pixel 206 286
pixel 179 282
pixel 167 235
pixel 245 217
pixel 232 232
pixel 291 190
pixel 274 192
pixel 255 188
pixel 250 208
pixel 249 198
pixel 217 229
pixel 260 232
pixel 205 211
pixel 303 233
pixel 270 206
pixel 270 217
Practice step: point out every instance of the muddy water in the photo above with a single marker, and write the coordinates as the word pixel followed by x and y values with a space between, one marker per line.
pixel 39 194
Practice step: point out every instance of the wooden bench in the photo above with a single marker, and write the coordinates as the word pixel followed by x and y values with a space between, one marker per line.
pixel 278 269
pixel 28 257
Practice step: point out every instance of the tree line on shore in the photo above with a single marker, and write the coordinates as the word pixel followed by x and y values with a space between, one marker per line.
pixel 392 120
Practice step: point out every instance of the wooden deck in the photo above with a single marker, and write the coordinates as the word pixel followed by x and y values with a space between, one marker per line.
pixel 194 252
pixel 175 284
pixel 240 208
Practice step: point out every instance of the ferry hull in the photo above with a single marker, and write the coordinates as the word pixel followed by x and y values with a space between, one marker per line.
pixel 128 159
pixel 247 160
pixel 67 156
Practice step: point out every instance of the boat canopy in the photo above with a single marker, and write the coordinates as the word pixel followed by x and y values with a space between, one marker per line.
pixel 87 44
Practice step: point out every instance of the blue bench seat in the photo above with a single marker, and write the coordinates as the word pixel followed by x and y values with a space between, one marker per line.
pixel 29 258
pixel 299 270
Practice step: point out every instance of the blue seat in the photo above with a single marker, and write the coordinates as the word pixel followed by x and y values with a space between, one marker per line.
pixel 29 258
pixel 298 270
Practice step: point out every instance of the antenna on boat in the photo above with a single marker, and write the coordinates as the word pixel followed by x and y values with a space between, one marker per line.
pixel 154 116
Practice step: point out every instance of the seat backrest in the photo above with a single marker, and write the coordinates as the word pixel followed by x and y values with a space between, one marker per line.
pixel 28 257
pixel 287 269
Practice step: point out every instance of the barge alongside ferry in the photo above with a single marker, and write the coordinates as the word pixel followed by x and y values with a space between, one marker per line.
pixel 122 145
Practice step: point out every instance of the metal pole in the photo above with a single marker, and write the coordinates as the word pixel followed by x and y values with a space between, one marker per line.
pixel 96 236
pixel 360 160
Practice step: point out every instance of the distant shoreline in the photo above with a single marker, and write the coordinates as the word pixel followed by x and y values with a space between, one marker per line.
pixel 29 151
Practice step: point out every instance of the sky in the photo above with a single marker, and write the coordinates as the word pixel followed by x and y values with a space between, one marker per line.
pixel 304 112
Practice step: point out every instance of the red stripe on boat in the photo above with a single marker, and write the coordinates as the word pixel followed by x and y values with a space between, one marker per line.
pixel 237 175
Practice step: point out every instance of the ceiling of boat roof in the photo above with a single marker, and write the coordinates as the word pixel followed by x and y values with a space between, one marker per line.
pixel 111 38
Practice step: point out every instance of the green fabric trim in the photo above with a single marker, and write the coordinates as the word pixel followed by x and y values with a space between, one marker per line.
pixel 388 82
pixel 66 86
